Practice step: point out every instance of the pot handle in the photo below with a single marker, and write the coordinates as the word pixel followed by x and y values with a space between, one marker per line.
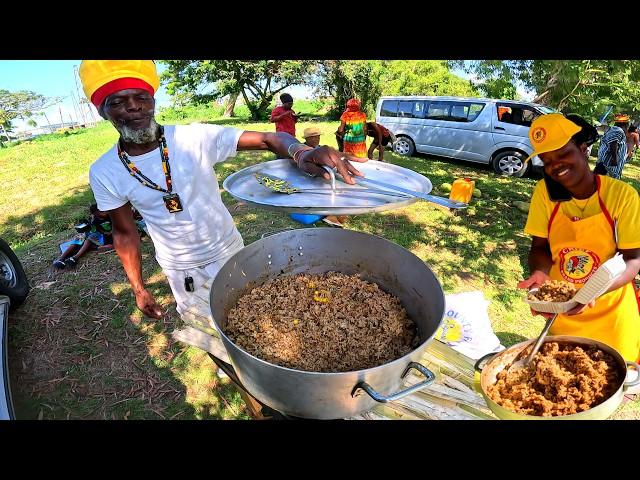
pixel 477 367
pixel 637 380
pixel 363 386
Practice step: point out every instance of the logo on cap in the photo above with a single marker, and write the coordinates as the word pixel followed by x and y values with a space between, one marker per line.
pixel 539 134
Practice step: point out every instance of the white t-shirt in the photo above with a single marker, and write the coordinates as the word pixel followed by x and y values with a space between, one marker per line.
pixel 204 231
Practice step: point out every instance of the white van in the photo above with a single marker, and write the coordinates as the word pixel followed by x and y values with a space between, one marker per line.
pixel 475 129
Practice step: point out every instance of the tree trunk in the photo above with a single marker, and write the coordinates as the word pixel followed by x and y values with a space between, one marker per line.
pixel 230 105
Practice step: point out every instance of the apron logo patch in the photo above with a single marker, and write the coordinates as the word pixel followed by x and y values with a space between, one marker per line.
pixel 578 264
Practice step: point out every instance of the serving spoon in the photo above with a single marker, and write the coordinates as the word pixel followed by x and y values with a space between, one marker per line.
pixel 525 362
pixel 280 185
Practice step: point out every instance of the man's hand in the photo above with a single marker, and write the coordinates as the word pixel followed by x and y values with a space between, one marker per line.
pixel 147 304
pixel 311 160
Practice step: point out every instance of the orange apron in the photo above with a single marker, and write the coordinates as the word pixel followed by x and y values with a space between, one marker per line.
pixel 577 250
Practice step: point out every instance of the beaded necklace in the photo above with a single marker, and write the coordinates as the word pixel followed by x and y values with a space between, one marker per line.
pixel 171 200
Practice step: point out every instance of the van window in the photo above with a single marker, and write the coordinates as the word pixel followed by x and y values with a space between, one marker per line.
pixel 458 111
pixel 389 108
pixel 438 111
pixel 405 109
pixel 517 114
pixel 418 109
pixel 474 111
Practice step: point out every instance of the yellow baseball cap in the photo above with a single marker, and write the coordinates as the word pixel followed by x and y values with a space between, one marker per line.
pixel 311 132
pixel 551 132
pixel 101 78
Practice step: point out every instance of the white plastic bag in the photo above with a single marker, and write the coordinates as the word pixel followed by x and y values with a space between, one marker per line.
pixel 466 326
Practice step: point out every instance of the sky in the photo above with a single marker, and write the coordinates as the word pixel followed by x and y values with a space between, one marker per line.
pixel 51 78
pixel 55 78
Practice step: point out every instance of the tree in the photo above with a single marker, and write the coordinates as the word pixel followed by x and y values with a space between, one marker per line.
pixel 367 80
pixel 257 81
pixel 22 104
pixel 343 79
pixel 585 87
pixel 424 77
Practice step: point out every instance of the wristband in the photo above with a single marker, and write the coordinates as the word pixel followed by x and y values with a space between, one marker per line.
pixel 298 152
pixel 290 147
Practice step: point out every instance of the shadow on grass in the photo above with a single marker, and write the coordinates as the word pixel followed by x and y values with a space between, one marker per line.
pixel 80 348
pixel 508 339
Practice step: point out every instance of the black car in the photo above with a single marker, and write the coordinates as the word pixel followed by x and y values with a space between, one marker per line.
pixel 14 288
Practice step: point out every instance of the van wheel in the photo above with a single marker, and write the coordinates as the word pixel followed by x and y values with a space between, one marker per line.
pixel 13 280
pixel 404 146
pixel 510 163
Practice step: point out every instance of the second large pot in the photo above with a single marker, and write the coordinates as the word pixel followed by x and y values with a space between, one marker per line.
pixel 498 362
pixel 315 251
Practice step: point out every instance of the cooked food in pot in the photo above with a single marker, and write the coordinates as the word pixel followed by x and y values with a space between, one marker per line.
pixel 554 291
pixel 562 379
pixel 322 323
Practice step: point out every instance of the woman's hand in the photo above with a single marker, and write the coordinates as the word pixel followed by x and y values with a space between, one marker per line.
pixel 536 279
pixel 311 160
pixel 581 308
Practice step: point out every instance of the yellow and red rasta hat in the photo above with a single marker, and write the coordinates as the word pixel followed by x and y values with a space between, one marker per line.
pixel 101 78
pixel 621 118
pixel 551 132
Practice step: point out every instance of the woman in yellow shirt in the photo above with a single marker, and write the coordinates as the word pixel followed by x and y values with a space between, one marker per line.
pixel 578 220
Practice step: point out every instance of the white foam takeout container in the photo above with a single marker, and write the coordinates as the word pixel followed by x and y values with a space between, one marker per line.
pixel 598 284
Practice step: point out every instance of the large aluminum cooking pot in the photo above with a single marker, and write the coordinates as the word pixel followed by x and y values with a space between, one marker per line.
pixel 490 369
pixel 315 251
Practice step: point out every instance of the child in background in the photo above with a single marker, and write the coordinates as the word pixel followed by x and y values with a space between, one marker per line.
pixel 95 233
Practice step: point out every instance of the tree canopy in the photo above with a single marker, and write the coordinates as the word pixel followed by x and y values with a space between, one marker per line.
pixel 256 81
pixel 367 80
pixel 586 87
pixel 21 104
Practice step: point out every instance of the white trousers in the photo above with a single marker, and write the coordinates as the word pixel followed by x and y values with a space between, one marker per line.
pixel 199 274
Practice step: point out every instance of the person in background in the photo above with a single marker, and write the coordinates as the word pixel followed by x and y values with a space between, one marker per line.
pixel 578 220
pixel 612 153
pixel 353 129
pixel 284 117
pixel 633 141
pixel 381 138
pixel 94 233
pixel 311 137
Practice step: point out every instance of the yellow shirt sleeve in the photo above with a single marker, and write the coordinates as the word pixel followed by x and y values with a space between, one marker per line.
pixel 623 203
pixel 539 212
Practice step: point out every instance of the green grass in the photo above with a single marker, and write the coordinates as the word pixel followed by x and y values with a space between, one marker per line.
pixel 80 349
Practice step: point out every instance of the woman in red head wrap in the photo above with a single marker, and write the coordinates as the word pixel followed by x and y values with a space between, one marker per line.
pixel 353 128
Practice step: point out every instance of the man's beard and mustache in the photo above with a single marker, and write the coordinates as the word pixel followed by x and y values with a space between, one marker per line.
pixel 139 136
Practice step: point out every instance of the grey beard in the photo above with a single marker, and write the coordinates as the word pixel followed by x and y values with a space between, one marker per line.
pixel 141 136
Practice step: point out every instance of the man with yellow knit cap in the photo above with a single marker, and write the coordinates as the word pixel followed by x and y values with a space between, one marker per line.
pixel 166 173
pixel 579 220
